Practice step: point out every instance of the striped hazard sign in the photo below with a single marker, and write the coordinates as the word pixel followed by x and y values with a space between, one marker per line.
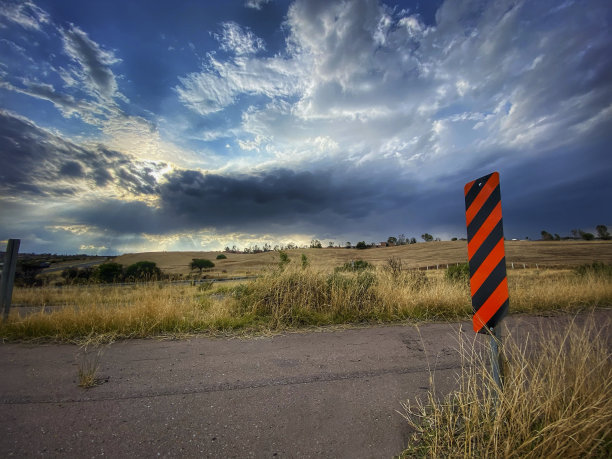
pixel 486 255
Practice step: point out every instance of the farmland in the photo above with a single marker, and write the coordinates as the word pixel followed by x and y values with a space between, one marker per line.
pixel 562 253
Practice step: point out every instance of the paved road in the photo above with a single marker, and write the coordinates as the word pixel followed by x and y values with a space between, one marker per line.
pixel 332 393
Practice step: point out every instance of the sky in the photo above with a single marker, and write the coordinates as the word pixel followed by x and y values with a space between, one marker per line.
pixel 152 125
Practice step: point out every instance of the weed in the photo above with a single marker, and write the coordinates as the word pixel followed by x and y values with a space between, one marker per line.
pixel 597 268
pixel 355 265
pixel 458 273
pixel 556 401
pixel 88 361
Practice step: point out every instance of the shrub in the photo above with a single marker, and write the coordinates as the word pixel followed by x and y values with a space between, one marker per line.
pixel 458 273
pixel 221 257
pixel 283 259
pixel 597 268
pixel 143 270
pixel 355 265
pixel 361 245
pixel 108 273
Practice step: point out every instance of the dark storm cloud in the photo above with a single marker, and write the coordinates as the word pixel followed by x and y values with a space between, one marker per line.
pixel 280 199
pixel 94 61
pixel 38 162
pixel 284 194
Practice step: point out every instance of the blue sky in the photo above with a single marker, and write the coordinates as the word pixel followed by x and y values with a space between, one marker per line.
pixel 192 125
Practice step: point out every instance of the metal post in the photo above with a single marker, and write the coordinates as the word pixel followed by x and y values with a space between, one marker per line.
pixel 8 276
pixel 496 360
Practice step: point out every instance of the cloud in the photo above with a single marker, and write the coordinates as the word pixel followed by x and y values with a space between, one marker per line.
pixel 39 163
pixel 383 85
pixel 26 14
pixel 235 39
pixel 94 62
pixel 256 4
pixel 220 84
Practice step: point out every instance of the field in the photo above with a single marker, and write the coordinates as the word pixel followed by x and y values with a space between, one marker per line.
pixel 294 295
pixel 562 253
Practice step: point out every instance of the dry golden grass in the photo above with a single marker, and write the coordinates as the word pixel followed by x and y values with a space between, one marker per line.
pixel 280 298
pixel 412 256
pixel 556 401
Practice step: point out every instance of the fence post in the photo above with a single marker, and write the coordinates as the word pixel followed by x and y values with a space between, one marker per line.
pixel 8 276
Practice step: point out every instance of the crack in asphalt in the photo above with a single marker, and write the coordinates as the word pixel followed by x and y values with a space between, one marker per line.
pixel 225 387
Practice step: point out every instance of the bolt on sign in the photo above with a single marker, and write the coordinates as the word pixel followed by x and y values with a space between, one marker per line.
pixel 486 255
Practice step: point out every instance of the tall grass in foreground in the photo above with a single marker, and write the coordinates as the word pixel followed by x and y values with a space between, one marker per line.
pixel 284 298
pixel 556 402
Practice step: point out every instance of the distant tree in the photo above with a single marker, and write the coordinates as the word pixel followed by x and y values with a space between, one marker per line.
pixel 586 236
pixel 557 237
pixel 108 273
pixel 453 239
pixel 427 237
pixel 413 240
pixel 330 245
pixel 401 239
pixel 361 245
pixel 143 270
pixel 392 240
pixel 546 236
pixel 227 249
pixel 602 232
pixel 575 233
pixel 315 244
pixel 221 257
pixel 201 263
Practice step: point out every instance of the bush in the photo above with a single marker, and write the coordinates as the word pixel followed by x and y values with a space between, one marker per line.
pixel 361 245
pixel 108 273
pixel 354 266
pixel 143 270
pixel 597 268
pixel 221 257
pixel 458 273
pixel 283 259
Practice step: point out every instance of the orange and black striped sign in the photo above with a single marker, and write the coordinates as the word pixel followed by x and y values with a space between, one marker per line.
pixel 486 255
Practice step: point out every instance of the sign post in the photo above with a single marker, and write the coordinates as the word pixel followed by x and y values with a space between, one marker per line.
pixel 487 260
pixel 8 276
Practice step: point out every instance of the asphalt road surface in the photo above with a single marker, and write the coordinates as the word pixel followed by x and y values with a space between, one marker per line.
pixel 329 393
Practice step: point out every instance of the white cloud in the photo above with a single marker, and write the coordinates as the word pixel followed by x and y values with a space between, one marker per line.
pixel 239 41
pixel 256 4
pixel 221 83
pixel 379 83
pixel 26 14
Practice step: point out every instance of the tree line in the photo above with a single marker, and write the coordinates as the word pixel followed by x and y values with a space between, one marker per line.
pixel 602 233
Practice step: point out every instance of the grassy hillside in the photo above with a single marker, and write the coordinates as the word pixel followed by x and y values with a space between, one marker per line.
pixel 412 256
